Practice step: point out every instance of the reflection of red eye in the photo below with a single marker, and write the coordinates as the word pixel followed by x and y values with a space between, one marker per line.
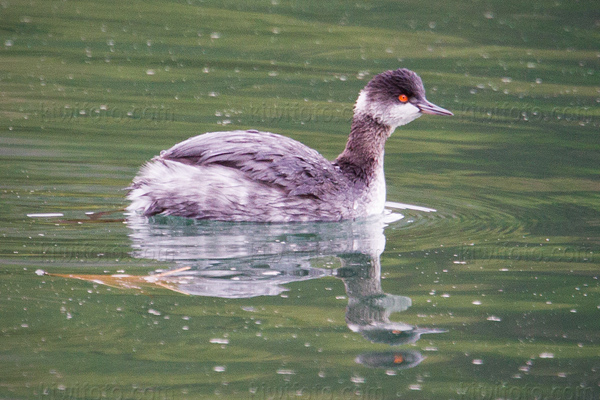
pixel 403 98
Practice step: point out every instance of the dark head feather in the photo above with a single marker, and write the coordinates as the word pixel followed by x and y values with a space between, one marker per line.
pixel 391 84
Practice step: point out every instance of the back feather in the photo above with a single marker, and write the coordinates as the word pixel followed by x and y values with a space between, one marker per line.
pixel 265 157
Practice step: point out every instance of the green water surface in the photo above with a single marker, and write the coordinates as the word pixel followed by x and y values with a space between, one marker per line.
pixel 505 271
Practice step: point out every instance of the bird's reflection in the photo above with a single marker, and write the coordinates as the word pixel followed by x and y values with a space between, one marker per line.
pixel 400 359
pixel 244 260
pixel 369 308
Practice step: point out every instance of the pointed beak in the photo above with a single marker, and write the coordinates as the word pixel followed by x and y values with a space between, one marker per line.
pixel 430 108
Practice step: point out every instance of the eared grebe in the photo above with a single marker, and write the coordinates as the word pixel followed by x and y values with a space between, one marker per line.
pixel 265 177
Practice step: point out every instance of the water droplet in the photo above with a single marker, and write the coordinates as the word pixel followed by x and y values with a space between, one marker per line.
pixel 286 372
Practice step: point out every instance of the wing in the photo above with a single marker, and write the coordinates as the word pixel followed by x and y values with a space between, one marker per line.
pixel 265 157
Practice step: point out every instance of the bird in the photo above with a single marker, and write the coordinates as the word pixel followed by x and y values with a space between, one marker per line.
pixel 253 176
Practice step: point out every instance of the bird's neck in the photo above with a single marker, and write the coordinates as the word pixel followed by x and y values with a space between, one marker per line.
pixel 362 159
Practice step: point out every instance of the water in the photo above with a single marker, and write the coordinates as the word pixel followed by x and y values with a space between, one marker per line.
pixel 493 295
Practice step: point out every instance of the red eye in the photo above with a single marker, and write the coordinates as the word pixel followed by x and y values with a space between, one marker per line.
pixel 403 98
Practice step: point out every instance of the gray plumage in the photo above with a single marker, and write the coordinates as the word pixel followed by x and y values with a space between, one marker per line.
pixel 265 177
pixel 263 157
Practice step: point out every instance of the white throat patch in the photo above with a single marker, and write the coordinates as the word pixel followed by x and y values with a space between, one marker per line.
pixel 393 115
